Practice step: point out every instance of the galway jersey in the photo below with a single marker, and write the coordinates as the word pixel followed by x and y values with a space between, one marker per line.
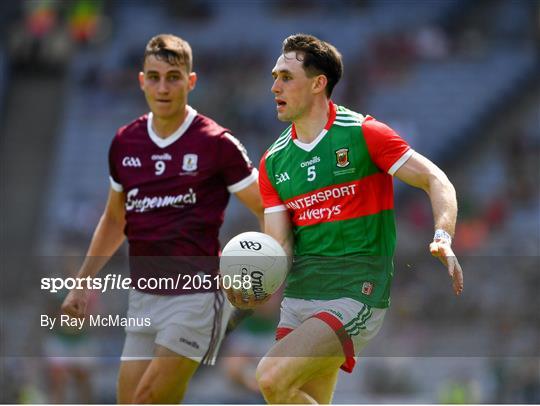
pixel 176 191
pixel 339 194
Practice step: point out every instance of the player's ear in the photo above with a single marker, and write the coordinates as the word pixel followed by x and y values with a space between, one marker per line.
pixel 192 80
pixel 141 80
pixel 319 83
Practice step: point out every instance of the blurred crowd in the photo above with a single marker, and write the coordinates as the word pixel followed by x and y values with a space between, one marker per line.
pixel 482 347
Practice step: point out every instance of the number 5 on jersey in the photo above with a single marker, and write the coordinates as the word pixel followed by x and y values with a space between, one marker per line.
pixel 311 174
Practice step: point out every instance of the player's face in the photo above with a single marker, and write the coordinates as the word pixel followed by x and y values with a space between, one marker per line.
pixel 166 87
pixel 292 88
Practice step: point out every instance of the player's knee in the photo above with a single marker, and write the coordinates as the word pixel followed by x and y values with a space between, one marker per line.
pixel 144 395
pixel 150 394
pixel 124 392
pixel 272 386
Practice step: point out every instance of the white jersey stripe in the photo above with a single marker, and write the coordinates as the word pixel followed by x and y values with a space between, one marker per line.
pixel 275 209
pixel 349 124
pixel 244 183
pixel 240 147
pixel 117 187
pixel 350 118
pixel 279 147
pixel 285 134
pixel 281 139
pixel 399 163
pixel 342 115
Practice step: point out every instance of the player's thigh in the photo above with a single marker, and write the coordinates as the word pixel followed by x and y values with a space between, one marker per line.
pixel 129 376
pixel 310 351
pixel 322 387
pixel 136 356
pixel 166 378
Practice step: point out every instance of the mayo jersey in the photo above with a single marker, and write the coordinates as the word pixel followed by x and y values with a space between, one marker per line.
pixel 176 191
pixel 339 195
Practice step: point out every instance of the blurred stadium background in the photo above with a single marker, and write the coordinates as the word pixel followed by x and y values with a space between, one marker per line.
pixel 458 79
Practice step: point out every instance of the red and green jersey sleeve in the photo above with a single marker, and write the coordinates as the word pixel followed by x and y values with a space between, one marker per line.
pixel 386 148
pixel 270 197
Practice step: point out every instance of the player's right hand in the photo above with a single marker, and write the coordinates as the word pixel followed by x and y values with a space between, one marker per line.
pixel 75 303
pixel 240 301
pixel 442 250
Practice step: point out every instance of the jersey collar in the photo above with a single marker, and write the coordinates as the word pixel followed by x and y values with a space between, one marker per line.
pixel 313 144
pixel 165 142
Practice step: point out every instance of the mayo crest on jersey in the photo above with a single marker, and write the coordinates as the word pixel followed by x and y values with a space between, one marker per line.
pixel 176 189
pixel 338 191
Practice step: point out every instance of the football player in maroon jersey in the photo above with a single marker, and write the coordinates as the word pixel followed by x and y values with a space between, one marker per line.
pixel 171 172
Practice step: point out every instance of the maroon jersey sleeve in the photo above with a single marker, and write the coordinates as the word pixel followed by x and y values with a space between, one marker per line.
pixel 114 178
pixel 238 171
pixel 270 197
pixel 386 148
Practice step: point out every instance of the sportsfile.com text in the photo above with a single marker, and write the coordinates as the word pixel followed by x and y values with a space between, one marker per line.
pixel 118 282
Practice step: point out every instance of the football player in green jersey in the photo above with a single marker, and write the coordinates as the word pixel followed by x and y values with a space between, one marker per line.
pixel 326 184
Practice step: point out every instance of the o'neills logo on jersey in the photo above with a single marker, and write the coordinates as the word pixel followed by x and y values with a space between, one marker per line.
pixel 147 203
pixel 312 161
pixel 161 157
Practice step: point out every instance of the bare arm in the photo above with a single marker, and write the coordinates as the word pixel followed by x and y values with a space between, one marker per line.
pixel 278 225
pixel 251 198
pixel 107 238
pixel 420 172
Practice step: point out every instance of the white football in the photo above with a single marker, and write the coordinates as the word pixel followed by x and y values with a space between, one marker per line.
pixel 255 261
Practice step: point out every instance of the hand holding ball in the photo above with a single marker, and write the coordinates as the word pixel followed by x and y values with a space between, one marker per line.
pixel 257 261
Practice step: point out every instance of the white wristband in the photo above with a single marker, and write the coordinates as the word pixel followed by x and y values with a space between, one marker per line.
pixel 440 234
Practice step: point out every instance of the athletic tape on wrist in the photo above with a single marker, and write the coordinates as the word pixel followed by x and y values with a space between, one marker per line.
pixel 442 235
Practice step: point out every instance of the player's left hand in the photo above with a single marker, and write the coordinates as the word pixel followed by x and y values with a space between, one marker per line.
pixel 240 301
pixel 441 249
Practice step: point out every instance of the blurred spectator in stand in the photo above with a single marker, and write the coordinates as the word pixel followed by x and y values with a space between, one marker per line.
pixel 518 154
pixel 459 391
pixel 393 55
pixel 39 41
pixel 45 37
pixel 431 43
pixel 84 20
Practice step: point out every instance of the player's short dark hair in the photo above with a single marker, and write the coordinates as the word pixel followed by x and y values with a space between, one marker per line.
pixel 318 57
pixel 170 48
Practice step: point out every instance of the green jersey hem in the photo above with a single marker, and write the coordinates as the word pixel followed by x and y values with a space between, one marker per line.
pixel 379 304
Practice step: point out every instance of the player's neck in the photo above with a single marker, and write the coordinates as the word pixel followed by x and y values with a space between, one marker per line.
pixel 310 125
pixel 166 126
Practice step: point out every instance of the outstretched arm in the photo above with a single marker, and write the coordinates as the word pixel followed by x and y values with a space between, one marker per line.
pixel 420 172
pixel 108 236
